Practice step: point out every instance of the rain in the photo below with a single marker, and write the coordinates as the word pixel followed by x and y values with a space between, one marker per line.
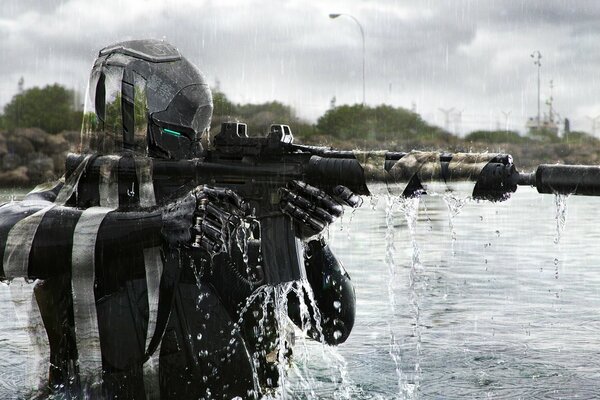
pixel 456 260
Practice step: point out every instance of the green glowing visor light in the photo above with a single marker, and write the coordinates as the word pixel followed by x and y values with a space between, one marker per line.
pixel 171 132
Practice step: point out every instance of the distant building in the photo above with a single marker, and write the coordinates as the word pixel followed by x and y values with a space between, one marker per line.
pixel 547 126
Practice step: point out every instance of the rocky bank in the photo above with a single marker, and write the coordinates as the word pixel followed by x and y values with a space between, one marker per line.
pixel 29 156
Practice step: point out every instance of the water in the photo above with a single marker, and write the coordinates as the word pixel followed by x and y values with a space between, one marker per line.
pixel 499 318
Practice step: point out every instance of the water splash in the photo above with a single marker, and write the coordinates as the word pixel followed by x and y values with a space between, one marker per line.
pixel 346 226
pixel 374 201
pixel 454 204
pixel 29 319
pixel 272 302
pixel 407 388
pixel 303 375
pixel 425 210
pixel 390 249
pixel 560 200
pixel 394 349
pixel 410 209
pixel 280 300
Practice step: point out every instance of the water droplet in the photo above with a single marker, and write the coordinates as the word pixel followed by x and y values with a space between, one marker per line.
pixel 199 336
pixel 337 335
pixel 337 305
pixel 560 200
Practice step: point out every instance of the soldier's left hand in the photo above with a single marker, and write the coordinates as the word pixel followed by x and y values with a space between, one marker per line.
pixel 312 209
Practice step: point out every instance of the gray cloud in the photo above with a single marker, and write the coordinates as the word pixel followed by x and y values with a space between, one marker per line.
pixel 466 54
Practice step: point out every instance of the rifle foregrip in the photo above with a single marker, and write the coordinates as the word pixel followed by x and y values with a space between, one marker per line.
pixel 327 173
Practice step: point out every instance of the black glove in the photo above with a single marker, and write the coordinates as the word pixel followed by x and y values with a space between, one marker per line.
pixel 312 209
pixel 218 214
pixel 205 218
pixel 177 220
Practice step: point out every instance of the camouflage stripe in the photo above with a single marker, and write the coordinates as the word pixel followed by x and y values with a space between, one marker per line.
pixel 108 185
pixel 466 167
pixel 143 170
pixel 72 182
pixel 423 165
pixel 84 302
pixel 153 264
pixel 19 242
pixel 373 165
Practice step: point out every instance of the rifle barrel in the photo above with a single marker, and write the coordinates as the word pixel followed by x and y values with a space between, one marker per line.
pixel 564 179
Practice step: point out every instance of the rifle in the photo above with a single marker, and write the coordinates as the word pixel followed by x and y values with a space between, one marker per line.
pixel 257 167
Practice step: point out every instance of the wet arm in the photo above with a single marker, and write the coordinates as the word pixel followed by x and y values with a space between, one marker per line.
pixel 36 237
pixel 333 294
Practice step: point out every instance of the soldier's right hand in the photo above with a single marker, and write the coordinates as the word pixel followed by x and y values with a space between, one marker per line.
pixel 218 214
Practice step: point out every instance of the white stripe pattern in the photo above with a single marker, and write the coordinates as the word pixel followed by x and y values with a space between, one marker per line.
pixel 19 242
pixel 108 185
pixel 154 266
pixel 84 302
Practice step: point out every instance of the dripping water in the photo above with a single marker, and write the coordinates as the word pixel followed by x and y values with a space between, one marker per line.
pixel 410 209
pixel 560 200
pixel 242 236
pixel 394 348
pixel 346 225
pixel 307 382
pixel 454 204
pixel 273 303
pixel 390 249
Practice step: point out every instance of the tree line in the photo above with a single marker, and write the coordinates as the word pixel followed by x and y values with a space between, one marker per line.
pixel 52 108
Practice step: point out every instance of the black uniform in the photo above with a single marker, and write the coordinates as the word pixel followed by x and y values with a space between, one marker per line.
pixel 202 353
pixel 132 309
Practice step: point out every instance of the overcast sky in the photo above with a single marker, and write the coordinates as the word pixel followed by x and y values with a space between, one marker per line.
pixel 470 55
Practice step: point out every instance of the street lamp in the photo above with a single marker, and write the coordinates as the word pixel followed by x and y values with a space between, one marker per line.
pixel 362 34
pixel 537 56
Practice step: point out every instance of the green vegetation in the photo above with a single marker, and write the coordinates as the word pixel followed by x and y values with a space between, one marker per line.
pixel 341 123
pixel 49 108
pixel 344 126
pixel 258 116
pixel 381 123
pixel 577 137
pixel 545 135
pixel 496 137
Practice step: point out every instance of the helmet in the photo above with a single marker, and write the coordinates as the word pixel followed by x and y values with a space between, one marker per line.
pixel 143 97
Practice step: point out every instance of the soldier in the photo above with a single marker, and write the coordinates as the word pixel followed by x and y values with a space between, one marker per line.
pixel 138 277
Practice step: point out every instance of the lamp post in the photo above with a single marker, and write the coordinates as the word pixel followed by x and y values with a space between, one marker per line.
pixel 537 56
pixel 362 35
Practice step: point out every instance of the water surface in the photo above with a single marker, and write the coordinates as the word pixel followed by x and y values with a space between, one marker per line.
pixel 501 311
